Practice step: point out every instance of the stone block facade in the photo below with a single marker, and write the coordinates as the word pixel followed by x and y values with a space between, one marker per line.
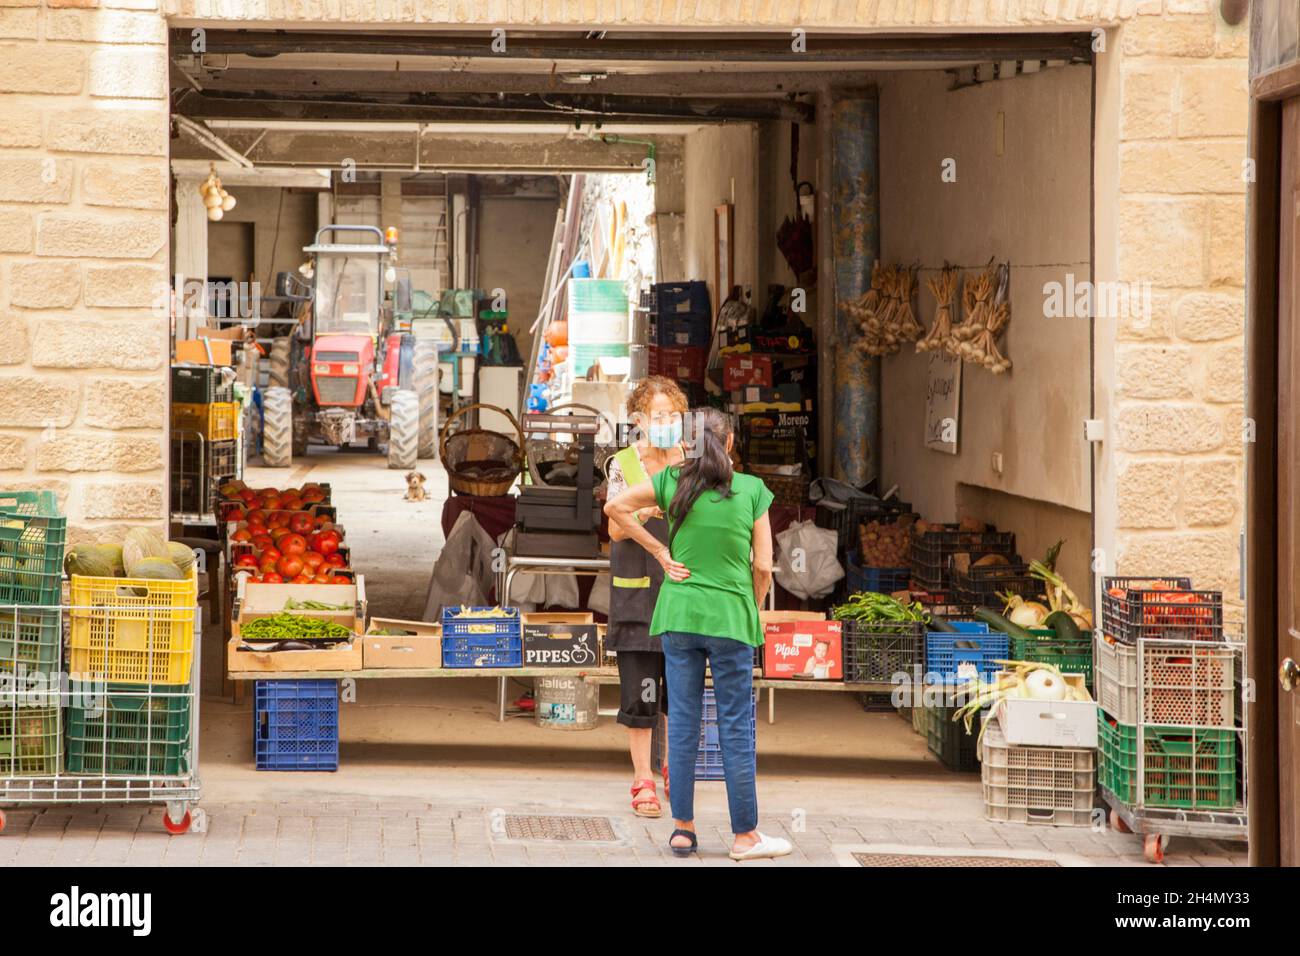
pixel 83 236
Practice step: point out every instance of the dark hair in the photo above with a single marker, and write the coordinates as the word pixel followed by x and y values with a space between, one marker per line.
pixel 708 468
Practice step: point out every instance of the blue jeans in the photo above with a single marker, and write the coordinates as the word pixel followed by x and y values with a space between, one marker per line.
pixel 732 665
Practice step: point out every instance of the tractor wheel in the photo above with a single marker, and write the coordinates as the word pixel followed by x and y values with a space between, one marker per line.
pixel 404 429
pixel 425 379
pixel 277 375
pixel 277 428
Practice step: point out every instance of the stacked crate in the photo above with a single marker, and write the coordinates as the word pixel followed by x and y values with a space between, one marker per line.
pixel 681 329
pixel 1168 724
pixel 205 449
pixel 1046 785
pixel 32 539
pixel 956 659
pixel 131 690
pixel 708 759
pixel 296 725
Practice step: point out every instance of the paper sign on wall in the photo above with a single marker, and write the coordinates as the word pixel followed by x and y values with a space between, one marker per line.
pixel 942 402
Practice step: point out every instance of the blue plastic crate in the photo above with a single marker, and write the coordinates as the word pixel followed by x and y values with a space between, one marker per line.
pixel 681 330
pixel 296 725
pixel 676 298
pixel 708 761
pixel 949 656
pixel 482 641
pixel 880 580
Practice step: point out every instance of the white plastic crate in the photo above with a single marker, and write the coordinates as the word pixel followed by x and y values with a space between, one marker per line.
pixel 1054 786
pixel 1184 684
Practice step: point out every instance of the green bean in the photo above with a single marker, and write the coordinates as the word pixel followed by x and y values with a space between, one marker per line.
pixel 293 627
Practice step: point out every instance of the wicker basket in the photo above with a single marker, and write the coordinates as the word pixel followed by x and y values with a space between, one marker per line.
pixel 465 452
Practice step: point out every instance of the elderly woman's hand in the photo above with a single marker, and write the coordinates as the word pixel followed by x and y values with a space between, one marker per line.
pixel 674 569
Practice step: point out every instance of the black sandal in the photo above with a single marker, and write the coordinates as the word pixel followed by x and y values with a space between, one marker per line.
pixel 683 850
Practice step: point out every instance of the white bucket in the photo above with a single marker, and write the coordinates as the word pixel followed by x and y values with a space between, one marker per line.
pixel 566 703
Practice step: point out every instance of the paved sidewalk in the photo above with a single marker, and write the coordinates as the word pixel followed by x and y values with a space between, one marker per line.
pixel 341 830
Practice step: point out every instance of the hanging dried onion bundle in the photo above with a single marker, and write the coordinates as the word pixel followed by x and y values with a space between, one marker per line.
pixel 944 290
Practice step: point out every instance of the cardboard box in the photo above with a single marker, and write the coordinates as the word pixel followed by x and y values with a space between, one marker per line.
pixel 791 640
pixel 561 639
pixel 341 657
pixel 420 648
pixel 1049 723
pixel 740 370
pixel 205 351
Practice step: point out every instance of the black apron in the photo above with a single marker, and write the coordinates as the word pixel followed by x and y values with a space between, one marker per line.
pixel 635 577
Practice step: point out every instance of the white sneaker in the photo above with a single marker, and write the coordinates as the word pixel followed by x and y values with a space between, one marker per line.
pixel 766 848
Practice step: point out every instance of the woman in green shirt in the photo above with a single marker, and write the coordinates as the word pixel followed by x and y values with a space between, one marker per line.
pixel 707 615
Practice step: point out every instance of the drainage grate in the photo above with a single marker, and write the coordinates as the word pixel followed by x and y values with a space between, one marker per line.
pixel 547 829
pixel 916 859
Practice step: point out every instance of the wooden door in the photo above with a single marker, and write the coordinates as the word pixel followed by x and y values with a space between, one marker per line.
pixel 1288 486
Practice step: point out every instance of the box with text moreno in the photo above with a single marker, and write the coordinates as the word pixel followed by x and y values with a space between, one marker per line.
pixel 801 644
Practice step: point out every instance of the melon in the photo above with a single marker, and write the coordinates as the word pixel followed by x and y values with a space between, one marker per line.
pixel 157 569
pixel 142 543
pixel 102 560
pixel 182 556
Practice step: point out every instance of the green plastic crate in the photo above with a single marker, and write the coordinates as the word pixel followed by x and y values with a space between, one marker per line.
pixel 30 739
pixel 948 740
pixel 30 639
pixel 123 731
pixel 32 537
pixel 1069 656
pixel 1182 768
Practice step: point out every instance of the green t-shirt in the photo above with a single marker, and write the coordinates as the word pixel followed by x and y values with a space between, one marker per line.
pixel 717 600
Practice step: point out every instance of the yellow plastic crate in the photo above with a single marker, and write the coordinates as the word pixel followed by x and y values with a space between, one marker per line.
pixel 133 630
pixel 217 421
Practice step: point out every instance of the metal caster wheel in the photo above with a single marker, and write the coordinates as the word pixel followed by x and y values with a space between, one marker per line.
pixel 1117 823
pixel 1153 847
pixel 173 827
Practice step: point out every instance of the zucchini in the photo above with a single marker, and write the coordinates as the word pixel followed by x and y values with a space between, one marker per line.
pixel 999 623
pixel 1065 626
pixel 939 625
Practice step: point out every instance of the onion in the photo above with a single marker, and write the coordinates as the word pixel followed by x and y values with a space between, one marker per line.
pixel 1028 614
pixel 1044 685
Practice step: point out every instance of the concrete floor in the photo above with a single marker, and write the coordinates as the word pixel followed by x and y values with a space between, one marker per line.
pixel 426 767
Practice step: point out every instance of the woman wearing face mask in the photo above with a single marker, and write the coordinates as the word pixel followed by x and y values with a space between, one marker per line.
pixel 655 409
pixel 707 614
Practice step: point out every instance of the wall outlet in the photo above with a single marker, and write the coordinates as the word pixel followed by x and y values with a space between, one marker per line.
pixel 1094 429
pixel 997 463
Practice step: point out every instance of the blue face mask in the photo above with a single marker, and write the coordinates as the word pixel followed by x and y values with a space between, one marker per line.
pixel 665 434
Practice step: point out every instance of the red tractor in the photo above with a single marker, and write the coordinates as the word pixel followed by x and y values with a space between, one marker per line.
pixel 346 374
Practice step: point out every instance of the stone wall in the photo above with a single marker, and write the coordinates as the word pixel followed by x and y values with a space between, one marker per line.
pixel 83 256
pixel 83 225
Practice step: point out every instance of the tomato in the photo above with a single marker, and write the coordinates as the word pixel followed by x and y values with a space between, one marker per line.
pixel 323 523
pixel 328 543
pixel 293 544
pixel 291 504
pixel 301 523
pixel 262 541
pixel 254 578
pixel 246 561
pixel 243 534
pixel 272 578
pixel 272 552
pixel 249 495
pixel 302 579
pixel 336 560
pixel 278 533
pixel 312 497
pixel 322 579
pixel 267 565
pixel 234 513
pixel 279 520
pixel 313 559
pixel 290 565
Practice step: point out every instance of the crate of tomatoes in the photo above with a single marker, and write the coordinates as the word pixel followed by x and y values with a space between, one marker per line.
pixel 292 555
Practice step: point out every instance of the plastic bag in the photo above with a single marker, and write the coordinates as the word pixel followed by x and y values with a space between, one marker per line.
pixel 463 572
pixel 806 564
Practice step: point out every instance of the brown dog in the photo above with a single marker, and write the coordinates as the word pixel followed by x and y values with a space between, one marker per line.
pixel 415 486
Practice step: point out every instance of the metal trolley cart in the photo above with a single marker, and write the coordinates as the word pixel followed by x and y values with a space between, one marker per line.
pixel 1172 736
pixel 108 739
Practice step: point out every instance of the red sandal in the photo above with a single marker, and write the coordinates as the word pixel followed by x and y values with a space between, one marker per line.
pixel 645 806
